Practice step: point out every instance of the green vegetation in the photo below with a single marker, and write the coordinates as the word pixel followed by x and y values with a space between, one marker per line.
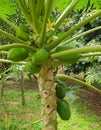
pixel 17 54
pixel 23 35
pixel 40 57
pixel 32 68
pixel 20 117
pixel 23 28
pixel 60 89
pixel 81 118
pixel 63 109
pixel 34 48
pixel 28 116
pixel 72 58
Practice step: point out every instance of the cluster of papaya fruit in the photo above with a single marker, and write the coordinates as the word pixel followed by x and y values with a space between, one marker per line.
pixel 38 59
pixel 20 54
pixel 36 62
pixel 72 58
pixel 17 54
pixel 63 107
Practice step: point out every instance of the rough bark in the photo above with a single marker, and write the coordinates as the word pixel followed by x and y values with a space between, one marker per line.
pixel 48 99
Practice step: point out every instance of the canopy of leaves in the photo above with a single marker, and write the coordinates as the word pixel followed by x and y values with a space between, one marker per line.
pixel 7 7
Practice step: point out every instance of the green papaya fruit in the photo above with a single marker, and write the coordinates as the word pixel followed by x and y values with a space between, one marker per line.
pixel 23 28
pixel 23 35
pixel 63 109
pixel 72 58
pixel 32 68
pixel 40 57
pixel 60 89
pixel 17 54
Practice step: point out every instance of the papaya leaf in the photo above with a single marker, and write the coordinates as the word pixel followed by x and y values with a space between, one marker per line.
pixel 64 4
pixel 84 3
pixel 80 6
pixel 7 8
pixel 96 3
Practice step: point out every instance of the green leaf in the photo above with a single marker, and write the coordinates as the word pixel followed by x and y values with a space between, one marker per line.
pixel 80 6
pixel 7 8
pixel 84 3
pixel 96 3
pixel 64 4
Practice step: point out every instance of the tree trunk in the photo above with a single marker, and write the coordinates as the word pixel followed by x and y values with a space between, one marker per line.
pixel 48 99
pixel 2 86
pixel 22 89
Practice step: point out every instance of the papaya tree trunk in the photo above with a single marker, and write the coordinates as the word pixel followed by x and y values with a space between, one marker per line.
pixel 48 99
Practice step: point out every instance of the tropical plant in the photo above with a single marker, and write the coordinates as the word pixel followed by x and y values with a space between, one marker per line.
pixel 36 43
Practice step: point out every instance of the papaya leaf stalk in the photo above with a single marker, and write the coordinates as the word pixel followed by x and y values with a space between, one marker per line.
pixel 4 52
pixel 24 10
pixel 77 50
pixel 9 46
pixel 65 77
pixel 48 8
pixel 9 23
pixel 39 9
pixel 32 5
pixel 65 13
pixel 69 32
pixel 91 54
pixel 81 35
pixel 12 62
pixel 11 36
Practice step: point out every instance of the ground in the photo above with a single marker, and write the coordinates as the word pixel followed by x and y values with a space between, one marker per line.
pixel 93 101
pixel 86 111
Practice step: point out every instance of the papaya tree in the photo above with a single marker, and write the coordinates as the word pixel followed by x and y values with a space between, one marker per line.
pixel 36 45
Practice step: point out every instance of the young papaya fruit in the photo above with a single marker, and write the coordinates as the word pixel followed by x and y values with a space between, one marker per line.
pixel 23 28
pixel 32 68
pixel 63 109
pixel 60 89
pixel 72 58
pixel 22 35
pixel 40 57
pixel 17 54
